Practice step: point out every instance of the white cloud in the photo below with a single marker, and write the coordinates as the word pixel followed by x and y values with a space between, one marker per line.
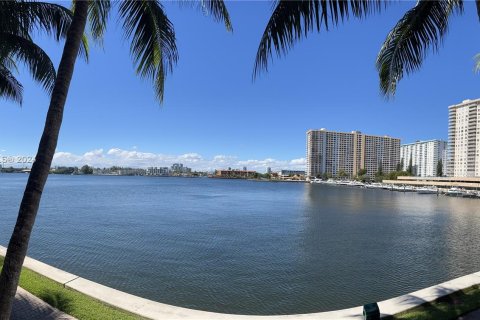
pixel 137 159
pixel 299 162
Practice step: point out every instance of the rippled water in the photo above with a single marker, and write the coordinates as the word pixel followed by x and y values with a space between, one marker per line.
pixel 248 247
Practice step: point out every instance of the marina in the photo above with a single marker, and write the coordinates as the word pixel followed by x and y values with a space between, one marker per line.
pixel 452 192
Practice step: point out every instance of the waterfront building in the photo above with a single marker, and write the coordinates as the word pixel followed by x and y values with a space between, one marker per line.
pixel 471 183
pixel 345 154
pixel 464 139
pixel 180 169
pixel 424 156
pixel 289 174
pixel 292 173
pixel 154 171
pixel 235 174
pixel 131 172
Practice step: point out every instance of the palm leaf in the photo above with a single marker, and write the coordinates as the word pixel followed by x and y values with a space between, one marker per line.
pixel 22 17
pixel 477 63
pixel 477 3
pixel 10 88
pixel 218 10
pixel 293 20
pixel 421 28
pixel 20 49
pixel 153 44
pixel 98 13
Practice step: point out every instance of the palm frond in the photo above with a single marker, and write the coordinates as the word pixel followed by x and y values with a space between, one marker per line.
pixel 10 87
pixel 9 63
pixel 477 63
pixel 219 11
pixel 216 8
pixel 98 13
pixel 84 50
pixel 23 50
pixel 293 20
pixel 477 3
pixel 23 17
pixel 421 28
pixel 153 44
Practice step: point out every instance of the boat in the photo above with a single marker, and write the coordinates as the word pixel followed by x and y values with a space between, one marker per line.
pixel 330 181
pixel 427 190
pixel 356 184
pixel 375 185
pixel 397 188
pixel 455 192
pixel 470 194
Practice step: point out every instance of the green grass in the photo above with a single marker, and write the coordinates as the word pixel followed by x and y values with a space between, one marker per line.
pixel 69 301
pixel 446 308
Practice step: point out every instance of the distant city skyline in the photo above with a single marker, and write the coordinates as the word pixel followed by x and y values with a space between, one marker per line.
pixel 213 109
pixel 134 158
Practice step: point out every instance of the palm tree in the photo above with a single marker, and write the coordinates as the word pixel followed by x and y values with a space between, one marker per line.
pixel 17 20
pixel 421 29
pixel 154 53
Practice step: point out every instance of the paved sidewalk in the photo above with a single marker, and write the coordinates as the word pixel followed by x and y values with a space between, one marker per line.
pixel 475 315
pixel 29 307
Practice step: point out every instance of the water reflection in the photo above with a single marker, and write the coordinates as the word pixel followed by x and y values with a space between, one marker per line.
pixel 248 247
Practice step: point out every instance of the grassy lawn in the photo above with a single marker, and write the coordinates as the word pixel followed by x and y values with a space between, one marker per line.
pixel 69 301
pixel 446 308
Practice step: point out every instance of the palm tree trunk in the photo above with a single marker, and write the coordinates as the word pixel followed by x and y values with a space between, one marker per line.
pixel 18 245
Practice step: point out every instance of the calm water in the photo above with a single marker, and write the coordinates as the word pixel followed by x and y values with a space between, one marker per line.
pixel 248 247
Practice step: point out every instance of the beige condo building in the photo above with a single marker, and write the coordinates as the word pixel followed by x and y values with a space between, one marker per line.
pixel 464 139
pixel 331 152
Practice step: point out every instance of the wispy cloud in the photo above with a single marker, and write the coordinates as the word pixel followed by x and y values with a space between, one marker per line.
pixel 137 159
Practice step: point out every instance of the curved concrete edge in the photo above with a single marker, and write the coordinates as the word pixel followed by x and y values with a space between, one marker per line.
pixel 156 310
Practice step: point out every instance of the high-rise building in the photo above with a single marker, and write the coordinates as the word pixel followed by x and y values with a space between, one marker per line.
pixel 341 153
pixel 424 156
pixel 464 139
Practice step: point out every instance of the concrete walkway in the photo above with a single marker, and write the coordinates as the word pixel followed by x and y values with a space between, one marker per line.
pixel 29 307
pixel 475 315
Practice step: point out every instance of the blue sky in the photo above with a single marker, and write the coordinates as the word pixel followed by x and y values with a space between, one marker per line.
pixel 212 107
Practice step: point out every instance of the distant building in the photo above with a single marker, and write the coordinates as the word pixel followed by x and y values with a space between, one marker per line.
pixel 464 139
pixel 292 172
pixel 131 172
pixel 269 170
pixel 289 174
pixel 235 174
pixel 425 156
pixel 336 153
pixel 154 171
pixel 179 169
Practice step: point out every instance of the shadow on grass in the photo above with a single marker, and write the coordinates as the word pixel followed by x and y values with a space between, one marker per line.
pixel 448 307
pixel 57 300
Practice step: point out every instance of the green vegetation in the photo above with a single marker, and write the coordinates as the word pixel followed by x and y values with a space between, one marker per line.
pixel 64 170
pixel 342 174
pixel 439 168
pixel 446 308
pixel 410 167
pixel 67 300
pixel 86 169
